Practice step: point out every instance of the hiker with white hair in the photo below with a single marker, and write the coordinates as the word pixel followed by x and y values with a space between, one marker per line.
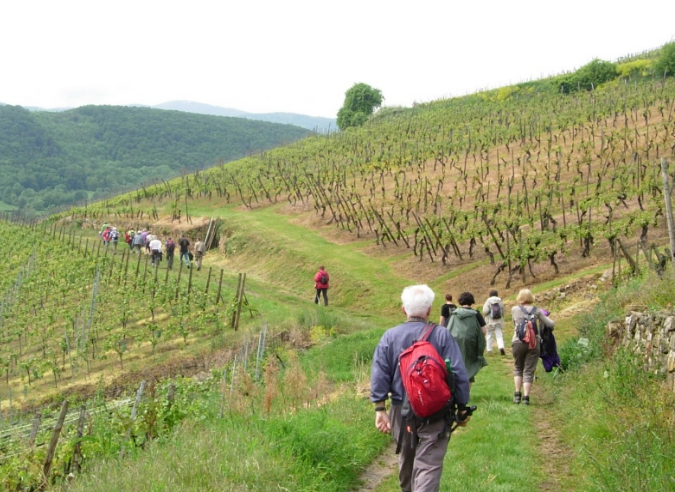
pixel 422 440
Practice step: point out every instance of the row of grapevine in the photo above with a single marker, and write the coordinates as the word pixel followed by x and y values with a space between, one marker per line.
pixel 53 445
pixel 72 310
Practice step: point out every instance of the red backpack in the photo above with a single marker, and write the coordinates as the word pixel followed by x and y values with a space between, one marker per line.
pixel 425 379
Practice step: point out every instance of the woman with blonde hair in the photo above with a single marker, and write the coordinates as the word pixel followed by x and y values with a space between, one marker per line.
pixel 524 358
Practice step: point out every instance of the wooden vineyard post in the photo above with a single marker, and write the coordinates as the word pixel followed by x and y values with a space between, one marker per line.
pixel 669 210
pixel 77 453
pixel 236 308
pixel 138 267
pixel 126 268
pixel 55 439
pixel 220 286
pixel 134 410
pixel 34 430
pixel 145 272
pixel 208 282
pixel 180 271
pixel 189 288
pixel 112 264
pixel 239 300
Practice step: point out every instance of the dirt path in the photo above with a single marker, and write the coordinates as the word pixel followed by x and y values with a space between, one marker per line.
pixel 554 452
pixel 381 467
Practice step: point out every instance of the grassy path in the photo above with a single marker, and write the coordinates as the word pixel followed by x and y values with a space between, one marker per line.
pixel 291 254
pixel 489 453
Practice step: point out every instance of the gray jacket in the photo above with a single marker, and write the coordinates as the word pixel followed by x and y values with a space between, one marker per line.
pixel 385 377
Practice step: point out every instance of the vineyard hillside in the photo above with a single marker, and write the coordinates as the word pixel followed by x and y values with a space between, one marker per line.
pixel 533 185
pixel 560 192
pixel 464 194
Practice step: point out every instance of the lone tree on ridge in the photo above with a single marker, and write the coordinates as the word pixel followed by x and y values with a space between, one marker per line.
pixel 360 102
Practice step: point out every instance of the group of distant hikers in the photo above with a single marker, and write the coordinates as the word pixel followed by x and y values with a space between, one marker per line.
pixel 143 241
pixel 427 370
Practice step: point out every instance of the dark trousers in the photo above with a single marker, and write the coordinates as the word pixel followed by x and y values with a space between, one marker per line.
pixel 325 296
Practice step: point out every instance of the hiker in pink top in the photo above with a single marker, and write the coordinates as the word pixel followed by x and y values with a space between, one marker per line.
pixel 321 285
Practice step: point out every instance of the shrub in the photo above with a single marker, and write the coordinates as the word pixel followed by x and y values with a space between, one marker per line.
pixel 665 65
pixel 588 77
pixel 636 68
pixel 576 352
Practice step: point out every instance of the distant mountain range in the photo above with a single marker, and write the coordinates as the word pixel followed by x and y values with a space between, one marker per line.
pixel 318 123
pixel 315 123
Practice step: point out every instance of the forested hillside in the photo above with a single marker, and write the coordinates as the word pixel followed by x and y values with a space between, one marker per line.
pixel 50 159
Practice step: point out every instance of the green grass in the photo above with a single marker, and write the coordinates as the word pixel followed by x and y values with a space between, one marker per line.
pixel 616 418
pixel 319 449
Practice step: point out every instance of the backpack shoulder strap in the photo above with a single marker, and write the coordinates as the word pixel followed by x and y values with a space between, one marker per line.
pixel 527 314
pixel 429 327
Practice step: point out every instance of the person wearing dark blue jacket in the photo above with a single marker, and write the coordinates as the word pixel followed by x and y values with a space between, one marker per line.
pixel 420 466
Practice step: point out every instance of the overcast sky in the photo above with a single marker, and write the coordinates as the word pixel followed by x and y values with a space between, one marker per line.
pixel 301 56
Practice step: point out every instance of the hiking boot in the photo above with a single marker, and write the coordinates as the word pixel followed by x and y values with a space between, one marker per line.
pixel 516 397
pixel 526 400
pixel 501 351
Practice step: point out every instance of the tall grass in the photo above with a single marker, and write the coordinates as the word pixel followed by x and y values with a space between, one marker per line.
pixel 619 418
pixel 319 448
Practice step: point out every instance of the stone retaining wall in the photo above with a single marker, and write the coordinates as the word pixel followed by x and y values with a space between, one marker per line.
pixel 650 334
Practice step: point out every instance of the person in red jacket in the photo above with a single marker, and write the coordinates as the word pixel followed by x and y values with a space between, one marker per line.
pixel 321 285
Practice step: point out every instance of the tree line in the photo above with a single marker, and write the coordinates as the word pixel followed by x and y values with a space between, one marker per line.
pixel 55 158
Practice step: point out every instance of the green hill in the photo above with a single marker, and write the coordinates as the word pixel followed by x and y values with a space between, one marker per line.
pixel 55 158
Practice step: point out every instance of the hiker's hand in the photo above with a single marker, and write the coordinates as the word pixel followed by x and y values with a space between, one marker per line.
pixel 382 422
pixel 464 418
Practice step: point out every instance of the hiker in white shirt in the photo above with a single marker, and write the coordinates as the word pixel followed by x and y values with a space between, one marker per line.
pixel 155 246
pixel 493 309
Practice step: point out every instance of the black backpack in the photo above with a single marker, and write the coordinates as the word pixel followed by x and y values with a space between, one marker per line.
pixel 495 310
pixel 170 246
pixel 323 279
